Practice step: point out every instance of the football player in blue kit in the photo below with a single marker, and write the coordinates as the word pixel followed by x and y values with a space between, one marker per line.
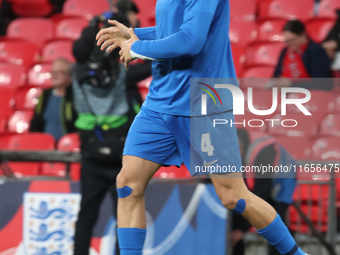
pixel 190 40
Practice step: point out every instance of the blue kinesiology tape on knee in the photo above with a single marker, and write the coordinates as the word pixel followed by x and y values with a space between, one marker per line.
pixel 278 235
pixel 124 192
pixel 240 206
pixel 131 240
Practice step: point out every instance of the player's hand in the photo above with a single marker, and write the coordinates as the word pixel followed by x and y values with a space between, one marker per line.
pixel 235 236
pixel 112 36
pixel 125 55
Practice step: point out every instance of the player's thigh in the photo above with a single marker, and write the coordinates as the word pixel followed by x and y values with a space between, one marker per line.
pixel 136 172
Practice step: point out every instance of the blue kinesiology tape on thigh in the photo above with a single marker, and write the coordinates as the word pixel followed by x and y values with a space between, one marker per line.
pixel 124 192
pixel 240 206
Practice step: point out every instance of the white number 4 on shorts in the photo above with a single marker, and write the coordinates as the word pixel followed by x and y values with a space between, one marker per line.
pixel 206 144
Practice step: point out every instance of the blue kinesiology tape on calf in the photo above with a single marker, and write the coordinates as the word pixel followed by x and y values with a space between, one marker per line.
pixel 124 192
pixel 240 206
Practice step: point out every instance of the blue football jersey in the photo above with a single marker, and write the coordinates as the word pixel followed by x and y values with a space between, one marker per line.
pixel 190 40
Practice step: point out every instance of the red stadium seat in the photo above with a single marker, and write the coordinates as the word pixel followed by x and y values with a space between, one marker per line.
pixel 298 147
pixel 239 58
pixel 146 13
pixel 59 169
pixel 75 171
pixel 27 98
pixel 337 103
pixel 6 39
pixel 261 1
pixel 242 32
pixel 59 17
pixel 317 215
pixel 243 10
pixel 85 8
pixel 327 8
pixel 19 52
pixel 257 77
pixel 314 213
pixel 306 126
pixel 270 30
pixel 19 122
pixel 70 28
pixel 53 169
pixel 12 76
pixel 313 192
pixel 263 53
pixel 3 123
pixel 31 8
pixel 259 72
pixel 57 49
pixel 320 104
pixel 330 126
pixel 4 139
pixel 6 102
pixel 143 87
pixel 40 75
pixel 172 172
pixel 31 141
pixel 71 143
pixel 288 9
pixel 312 199
pixel 318 29
pixel 27 142
pixel 326 149
pixel 43 30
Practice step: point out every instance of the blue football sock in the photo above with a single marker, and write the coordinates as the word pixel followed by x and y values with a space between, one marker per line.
pixel 278 235
pixel 131 240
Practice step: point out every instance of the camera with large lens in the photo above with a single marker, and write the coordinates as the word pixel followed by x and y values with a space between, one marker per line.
pixel 97 71
pixel 100 69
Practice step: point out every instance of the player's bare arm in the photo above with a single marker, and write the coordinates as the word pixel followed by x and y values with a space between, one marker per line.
pixel 112 37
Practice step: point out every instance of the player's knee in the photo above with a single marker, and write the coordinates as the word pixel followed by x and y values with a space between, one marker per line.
pixel 229 197
pixel 234 202
pixel 127 187
pixel 121 180
pixel 229 201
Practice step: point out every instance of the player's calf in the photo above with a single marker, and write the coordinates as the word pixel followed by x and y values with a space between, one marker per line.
pixel 131 184
pixel 235 196
pixel 131 229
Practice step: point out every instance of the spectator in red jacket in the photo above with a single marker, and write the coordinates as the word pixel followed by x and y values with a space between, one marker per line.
pixel 301 59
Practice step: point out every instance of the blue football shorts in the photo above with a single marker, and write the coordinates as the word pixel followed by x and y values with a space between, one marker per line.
pixel 172 140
